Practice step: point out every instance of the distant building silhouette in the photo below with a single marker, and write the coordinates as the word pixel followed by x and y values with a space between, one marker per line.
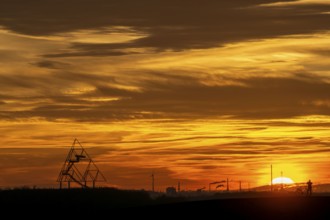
pixel 171 191
pixel 200 189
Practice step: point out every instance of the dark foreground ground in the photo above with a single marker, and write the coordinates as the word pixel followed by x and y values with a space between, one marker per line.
pixel 111 203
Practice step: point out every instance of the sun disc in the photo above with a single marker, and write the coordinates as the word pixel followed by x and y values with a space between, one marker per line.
pixel 282 180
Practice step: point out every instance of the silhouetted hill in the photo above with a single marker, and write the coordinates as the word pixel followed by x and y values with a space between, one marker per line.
pixel 112 197
pixel 76 201
pixel 265 208
pixel 319 188
pixel 97 203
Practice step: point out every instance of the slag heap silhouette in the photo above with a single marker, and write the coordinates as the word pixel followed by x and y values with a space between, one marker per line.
pixel 79 168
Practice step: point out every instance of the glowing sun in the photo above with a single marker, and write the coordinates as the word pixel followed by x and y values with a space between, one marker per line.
pixel 282 180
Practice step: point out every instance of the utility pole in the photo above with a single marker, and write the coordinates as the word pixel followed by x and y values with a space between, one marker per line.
pixel 281 179
pixel 240 186
pixel 153 182
pixel 227 185
pixel 271 177
pixel 179 186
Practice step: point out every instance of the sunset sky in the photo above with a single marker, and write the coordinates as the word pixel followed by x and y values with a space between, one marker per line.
pixel 192 90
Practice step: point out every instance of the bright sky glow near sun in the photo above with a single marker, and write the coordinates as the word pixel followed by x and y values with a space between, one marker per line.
pixel 282 180
pixel 196 91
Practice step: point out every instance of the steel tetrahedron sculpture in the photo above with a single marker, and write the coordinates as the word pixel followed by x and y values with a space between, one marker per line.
pixel 79 168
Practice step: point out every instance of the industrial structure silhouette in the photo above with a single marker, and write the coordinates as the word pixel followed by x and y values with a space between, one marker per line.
pixel 79 168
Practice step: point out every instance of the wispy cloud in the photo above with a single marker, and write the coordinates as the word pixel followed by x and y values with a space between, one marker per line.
pixel 191 90
pixel 197 24
pixel 184 98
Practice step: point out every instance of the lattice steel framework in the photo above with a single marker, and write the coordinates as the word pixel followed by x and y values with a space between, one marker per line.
pixel 79 168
